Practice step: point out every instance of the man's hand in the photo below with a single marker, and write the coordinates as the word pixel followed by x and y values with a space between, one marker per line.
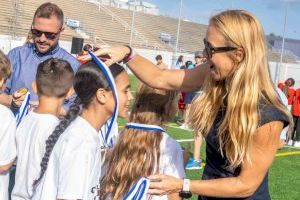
pixel 18 97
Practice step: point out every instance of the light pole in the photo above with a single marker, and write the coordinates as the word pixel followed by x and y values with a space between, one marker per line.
pixel 177 35
pixel 132 23
pixel 283 41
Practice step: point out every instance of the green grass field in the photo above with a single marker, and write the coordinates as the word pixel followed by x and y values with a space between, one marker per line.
pixel 284 175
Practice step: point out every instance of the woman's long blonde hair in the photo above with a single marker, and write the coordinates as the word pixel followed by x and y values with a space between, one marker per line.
pixel 239 94
pixel 137 152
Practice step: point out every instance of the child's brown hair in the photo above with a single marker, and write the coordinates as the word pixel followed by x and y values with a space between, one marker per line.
pixel 5 67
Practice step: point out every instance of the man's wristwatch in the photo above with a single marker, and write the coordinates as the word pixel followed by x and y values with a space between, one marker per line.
pixel 185 193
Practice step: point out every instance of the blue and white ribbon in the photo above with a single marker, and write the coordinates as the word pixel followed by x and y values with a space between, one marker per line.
pixel 144 127
pixel 107 137
pixel 138 191
pixel 23 110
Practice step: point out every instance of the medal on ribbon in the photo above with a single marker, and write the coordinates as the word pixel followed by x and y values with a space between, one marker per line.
pixel 23 110
pixel 107 137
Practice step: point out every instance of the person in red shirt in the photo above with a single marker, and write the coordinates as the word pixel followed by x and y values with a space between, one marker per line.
pixel 181 107
pixel 289 91
pixel 296 115
pixel 281 85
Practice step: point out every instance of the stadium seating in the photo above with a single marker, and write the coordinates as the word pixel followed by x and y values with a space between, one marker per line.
pixel 108 25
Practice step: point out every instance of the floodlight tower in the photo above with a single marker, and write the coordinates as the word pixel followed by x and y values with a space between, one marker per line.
pixel 177 35
pixel 132 23
pixel 283 40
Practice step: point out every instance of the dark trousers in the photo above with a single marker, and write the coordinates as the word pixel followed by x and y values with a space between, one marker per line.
pixel 12 174
pixel 296 131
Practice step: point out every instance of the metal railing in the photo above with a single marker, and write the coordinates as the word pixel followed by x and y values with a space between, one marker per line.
pixel 140 36
pixel 285 52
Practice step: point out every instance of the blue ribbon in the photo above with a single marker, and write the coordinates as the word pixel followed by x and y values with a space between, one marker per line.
pixel 144 127
pixel 111 82
pixel 23 110
pixel 138 190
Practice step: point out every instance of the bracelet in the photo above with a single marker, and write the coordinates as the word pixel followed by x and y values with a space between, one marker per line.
pixel 129 56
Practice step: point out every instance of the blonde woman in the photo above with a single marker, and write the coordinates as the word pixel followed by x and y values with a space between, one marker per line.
pixel 239 113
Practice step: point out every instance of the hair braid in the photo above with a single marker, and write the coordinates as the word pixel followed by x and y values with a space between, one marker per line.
pixel 52 139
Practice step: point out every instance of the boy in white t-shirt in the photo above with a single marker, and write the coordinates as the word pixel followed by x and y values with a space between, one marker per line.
pixel 53 85
pixel 7 132
pixel 71 165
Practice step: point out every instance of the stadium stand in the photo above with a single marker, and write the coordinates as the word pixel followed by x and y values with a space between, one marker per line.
pixel 102 24
pixel 16 18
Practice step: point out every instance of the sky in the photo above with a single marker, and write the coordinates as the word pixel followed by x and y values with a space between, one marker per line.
pixel 271 13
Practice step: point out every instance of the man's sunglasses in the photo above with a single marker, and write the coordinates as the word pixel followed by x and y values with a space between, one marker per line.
pixel 210 50
pixel 48 35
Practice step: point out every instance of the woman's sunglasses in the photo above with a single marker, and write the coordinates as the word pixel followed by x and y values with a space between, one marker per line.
pixel 210 50
pixel 48 35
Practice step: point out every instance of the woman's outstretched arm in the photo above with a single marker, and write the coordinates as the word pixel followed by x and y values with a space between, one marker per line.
pixel 150 74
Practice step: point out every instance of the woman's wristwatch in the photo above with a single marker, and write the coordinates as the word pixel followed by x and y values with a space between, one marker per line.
pixel 185 193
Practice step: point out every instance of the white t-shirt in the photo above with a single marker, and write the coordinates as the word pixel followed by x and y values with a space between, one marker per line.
pixel 31 137
pixel 7 146
pixel 171 160
pixel 74 165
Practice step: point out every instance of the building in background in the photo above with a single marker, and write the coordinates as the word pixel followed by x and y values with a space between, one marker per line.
pixel 291 46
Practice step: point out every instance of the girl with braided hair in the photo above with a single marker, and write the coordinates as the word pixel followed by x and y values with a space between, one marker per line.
pixel 140 152
pixel 71 166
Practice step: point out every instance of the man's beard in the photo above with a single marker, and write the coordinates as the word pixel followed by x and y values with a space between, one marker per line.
pixel 51 47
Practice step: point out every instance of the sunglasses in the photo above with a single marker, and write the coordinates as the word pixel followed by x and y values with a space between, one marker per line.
pixel 210 50
pixel 48 35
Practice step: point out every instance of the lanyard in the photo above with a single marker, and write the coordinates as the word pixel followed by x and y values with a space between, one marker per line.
pixel 23 110
pixel 111 81
pixel 138 191
pixel 144 127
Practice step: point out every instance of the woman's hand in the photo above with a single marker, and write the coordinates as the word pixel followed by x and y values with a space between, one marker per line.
pixel 163 184
pixel 110 55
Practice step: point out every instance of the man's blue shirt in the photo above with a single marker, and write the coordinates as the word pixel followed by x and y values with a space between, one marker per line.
pixel 25 60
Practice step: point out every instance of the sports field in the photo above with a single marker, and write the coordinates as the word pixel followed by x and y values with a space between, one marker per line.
pixel 284 176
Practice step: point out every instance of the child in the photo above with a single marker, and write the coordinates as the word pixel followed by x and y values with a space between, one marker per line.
pixel 138 152
pixel 53 85
pixel 71 166
pixel 7 132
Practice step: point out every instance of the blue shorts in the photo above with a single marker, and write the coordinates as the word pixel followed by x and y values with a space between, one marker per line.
pixel 189 97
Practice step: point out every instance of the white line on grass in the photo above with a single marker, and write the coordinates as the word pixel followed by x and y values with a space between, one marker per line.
pixel 185 140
